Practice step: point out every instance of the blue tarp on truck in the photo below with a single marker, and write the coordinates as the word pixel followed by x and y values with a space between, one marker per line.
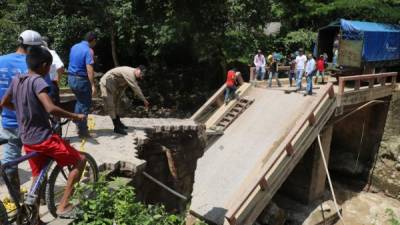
pixel 364 42
pixel 381 42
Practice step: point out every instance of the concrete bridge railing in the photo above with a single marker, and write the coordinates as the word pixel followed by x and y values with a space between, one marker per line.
pixel 261 182
pixel 366 88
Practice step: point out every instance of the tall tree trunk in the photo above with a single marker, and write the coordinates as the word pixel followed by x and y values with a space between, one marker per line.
pixel 114 47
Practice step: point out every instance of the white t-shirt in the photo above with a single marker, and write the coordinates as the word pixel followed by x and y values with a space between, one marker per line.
pixel 57 64
pixel 301 62
pixel 259 60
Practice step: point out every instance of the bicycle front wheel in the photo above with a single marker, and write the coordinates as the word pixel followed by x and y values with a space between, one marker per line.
pixel 58 181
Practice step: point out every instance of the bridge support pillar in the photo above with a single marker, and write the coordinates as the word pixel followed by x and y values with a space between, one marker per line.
pixel 318 174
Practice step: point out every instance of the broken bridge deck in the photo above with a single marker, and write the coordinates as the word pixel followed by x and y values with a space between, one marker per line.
pixel 250 141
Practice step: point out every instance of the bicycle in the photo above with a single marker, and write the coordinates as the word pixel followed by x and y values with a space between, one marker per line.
pixel 27 213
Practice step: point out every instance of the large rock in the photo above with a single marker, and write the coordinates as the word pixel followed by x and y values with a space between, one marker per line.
pixel 325 214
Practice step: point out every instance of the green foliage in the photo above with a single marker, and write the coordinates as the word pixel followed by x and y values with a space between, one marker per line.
pixel 393 219
pixel 312 14
pixel 188 45
pixel 115 203
pixel 10 24
pixel 300 39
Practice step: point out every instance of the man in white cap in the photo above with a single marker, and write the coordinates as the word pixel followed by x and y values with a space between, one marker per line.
pixel 11 65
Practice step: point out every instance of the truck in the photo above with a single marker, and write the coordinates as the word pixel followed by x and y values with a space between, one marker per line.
pixel 360 46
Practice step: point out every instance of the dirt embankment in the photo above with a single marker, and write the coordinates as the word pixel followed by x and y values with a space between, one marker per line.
pixel 386 175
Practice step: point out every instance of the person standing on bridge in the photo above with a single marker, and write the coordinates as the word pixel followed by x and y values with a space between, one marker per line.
pixel 232 77
pixel 311 69
pixel 259 62
pixel 273 69
pixel 301 60
pixel 320 69
pixel 292 69
pixel 81 78
pixel 113 85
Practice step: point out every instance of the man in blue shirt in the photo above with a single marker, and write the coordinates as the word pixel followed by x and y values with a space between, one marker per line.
pixel 81 78
pixel 11 65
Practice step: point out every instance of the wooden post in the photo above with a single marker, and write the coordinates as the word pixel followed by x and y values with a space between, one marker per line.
pixel 263 184
pixel 371 82
pixel 252 74
pixel 311 119
pixel 341 86
pixel 382 81
pixel 331 92
pixel 318 174
pixel 394 81
pixel 357 85
pixel 289 149
pixel 232 220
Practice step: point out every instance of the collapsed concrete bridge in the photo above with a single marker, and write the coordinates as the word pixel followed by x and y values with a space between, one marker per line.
pixel 254 145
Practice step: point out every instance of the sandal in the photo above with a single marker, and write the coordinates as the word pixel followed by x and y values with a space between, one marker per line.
pixel 69 214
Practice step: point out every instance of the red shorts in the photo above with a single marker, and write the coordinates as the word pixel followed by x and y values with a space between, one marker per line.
pixel 55 148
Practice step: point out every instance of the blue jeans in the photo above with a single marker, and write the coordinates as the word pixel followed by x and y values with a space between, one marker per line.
pixel 260 73
pixel 273 74
pixel 309 84
pixel 229 93
pixel 292 76
pixel 82 90
pixel 299 77
pixel 11 152
pixel 12 149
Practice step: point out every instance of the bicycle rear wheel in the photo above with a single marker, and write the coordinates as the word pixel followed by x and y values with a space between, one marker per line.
pixel 3 214
pixel 58 181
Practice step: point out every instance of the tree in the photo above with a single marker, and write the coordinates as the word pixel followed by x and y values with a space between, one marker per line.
pixel 312 14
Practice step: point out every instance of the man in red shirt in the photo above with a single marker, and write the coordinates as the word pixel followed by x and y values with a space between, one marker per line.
pixel 230 84
pixel 320 69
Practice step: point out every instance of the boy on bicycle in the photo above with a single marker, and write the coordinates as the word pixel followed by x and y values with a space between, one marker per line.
pixel 28 95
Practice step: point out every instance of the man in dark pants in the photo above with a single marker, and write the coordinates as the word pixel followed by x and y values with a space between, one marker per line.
pixel 81 78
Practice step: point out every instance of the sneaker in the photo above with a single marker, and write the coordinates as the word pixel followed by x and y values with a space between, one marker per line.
pixel 71 213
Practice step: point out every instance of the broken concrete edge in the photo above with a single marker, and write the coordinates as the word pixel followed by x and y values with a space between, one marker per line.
pixel 121 166
pixel 171 153
pixel 166 130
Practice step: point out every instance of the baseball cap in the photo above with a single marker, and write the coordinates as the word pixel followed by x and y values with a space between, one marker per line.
pixel 30 37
